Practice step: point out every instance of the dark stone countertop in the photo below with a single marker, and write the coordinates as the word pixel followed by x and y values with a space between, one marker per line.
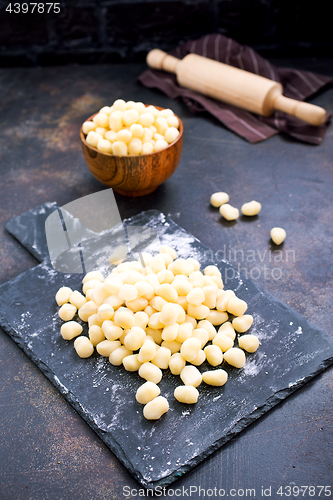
pixel 47 451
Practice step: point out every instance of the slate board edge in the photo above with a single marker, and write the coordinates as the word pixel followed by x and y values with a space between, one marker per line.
pixel 113 445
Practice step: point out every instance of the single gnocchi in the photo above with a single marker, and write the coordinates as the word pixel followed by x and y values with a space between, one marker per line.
pixel 67 311
pixel 235 357
pixel 117 356
pixel 190 348
pixel 150 372
pixel 223 342
pixel 62 295
pixel 186 394
pixel 242 323
pixel 70 330
pixel 83 347
pixel 106 347
pixel 236 306
pixel 214 354
pixel 176 363
pixel 249 343
pixel 190 375
pixel 131 363
pixel 147 392
pixel 215 377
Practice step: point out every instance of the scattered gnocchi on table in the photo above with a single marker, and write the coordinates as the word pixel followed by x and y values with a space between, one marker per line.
pixel 157 316
pixel 131 128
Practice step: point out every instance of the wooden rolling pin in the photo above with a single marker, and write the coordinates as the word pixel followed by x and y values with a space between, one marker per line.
pixel 234 86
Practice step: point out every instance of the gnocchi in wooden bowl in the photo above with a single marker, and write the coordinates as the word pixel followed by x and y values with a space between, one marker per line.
pixel 132 147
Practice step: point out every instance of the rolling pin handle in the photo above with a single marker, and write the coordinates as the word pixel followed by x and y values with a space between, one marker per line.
pixel 315 115
pixel 158 59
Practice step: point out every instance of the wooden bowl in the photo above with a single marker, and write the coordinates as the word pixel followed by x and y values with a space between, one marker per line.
pixel 134 175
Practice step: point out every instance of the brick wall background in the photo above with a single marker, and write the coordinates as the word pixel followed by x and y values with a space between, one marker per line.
pixel 91 31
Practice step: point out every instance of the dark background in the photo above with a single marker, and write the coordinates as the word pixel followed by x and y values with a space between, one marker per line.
pixel 104 31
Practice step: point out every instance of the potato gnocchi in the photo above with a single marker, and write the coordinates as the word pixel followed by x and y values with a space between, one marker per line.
pixel 131 128
pixel 166 314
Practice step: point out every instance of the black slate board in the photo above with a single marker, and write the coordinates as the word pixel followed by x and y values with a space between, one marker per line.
pixel 292 352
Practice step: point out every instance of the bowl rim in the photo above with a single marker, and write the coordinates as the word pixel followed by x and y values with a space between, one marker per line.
pixel 181 129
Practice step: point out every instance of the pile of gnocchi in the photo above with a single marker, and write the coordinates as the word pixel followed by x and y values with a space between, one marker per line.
pixel 131 128
pixel 157 313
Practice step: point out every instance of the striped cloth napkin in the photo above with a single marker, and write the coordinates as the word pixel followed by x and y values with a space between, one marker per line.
pixel 297 84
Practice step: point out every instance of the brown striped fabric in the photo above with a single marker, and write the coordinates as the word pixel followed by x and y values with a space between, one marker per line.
pixel 296 84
